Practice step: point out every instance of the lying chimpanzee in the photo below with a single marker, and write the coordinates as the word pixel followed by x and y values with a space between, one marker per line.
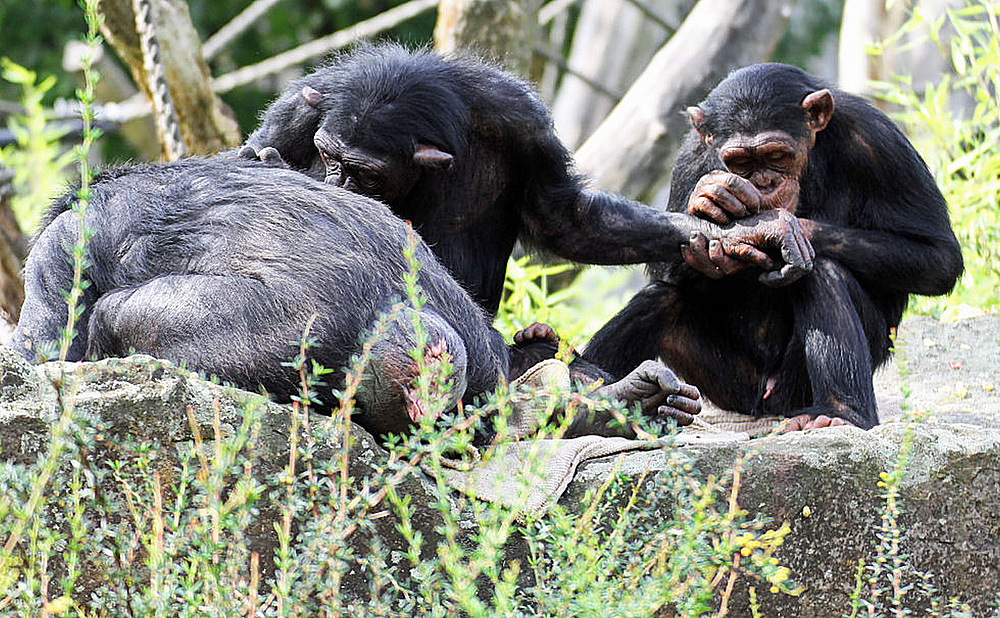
pixel 222 265
pixel 774 140
pixel 467 153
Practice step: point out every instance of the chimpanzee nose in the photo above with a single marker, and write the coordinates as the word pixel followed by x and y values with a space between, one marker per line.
pixel 764 182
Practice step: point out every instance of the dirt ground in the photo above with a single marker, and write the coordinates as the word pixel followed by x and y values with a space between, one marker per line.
pixel 951 372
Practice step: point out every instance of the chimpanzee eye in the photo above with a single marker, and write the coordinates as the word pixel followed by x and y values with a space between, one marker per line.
pixel 737 165
pixel 779 159
pixel 366 178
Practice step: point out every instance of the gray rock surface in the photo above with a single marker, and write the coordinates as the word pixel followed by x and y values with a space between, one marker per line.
pixel 140 399
pixel 824 482
pixel 951 372
pixel 947 376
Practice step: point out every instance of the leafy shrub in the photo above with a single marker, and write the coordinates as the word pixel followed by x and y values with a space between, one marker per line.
pixel 961 148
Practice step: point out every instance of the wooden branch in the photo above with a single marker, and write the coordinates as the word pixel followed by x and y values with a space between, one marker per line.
pixel 632 151
pixel 543 50
pixel 549 12
pixel 341 38
pixel 13 249
pixel 207 125
pixel 237 26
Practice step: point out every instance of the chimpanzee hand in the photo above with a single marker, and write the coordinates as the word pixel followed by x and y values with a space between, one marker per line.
pixel 659 392
pixel 535 333
pixel 721 197
pixel 267 155
pixel 707 257
pixel 746 239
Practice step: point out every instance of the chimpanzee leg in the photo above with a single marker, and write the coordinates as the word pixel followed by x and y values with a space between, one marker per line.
pixel 635 333
pixel 235 328
pixel 228 326
pixel 48 276
pixel 834 320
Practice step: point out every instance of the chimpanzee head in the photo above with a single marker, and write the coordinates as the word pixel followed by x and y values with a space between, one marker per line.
pixel 762 121
pixel 393 117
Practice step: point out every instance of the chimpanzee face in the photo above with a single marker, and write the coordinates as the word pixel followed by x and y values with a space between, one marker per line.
pixel 382 177
pixel 385 177
pixel 773 161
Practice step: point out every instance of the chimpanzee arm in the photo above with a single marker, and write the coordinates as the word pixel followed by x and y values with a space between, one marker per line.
pixel 829 324
pixel 288 125
pixel 602 228
pixel 48 276
pixel 895 261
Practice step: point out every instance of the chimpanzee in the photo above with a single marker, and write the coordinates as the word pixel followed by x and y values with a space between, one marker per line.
pixel 467 153
pixel 767 140
pixel 223 267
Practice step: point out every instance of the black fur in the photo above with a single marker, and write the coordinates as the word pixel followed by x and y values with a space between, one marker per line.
pixel 511 177
pixel 221 265
pixel 880 229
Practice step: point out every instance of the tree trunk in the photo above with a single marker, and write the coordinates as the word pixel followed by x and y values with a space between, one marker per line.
pixel 504 29
pixel 633 149
pixel 207 124
pixel 866 22
pixel 12 252
pixel 612 43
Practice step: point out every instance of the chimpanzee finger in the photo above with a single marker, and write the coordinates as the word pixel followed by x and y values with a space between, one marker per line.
pixel 797 264
pixel 271 156
pixel 722 262
pixel 744 192
pixel 748 254
pixel 688 405
pixel 536 331
pixel 720 195
pixel 797 423
pixel 682 418
pixel 704 207
pixel 696 255
pixel 689 391
pixel 825 421
pixel 247 152
pixel 805 247
pixel 786 275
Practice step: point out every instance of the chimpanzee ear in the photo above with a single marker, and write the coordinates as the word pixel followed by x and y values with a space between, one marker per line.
pixel 429 156
pixel 697 116
pixel 819 106
pixel 311 96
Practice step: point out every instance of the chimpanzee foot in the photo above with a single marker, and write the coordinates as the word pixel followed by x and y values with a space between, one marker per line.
pixel 659 391
pixel 807 421
pixel 535 333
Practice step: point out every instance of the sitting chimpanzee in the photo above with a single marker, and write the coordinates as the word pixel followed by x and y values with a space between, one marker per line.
pixel 467 153
pixel 222 267
pixel 767 139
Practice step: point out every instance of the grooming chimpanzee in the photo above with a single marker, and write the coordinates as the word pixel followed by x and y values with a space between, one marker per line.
pixel 222 266
pixel 467 153
pixel 772 139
